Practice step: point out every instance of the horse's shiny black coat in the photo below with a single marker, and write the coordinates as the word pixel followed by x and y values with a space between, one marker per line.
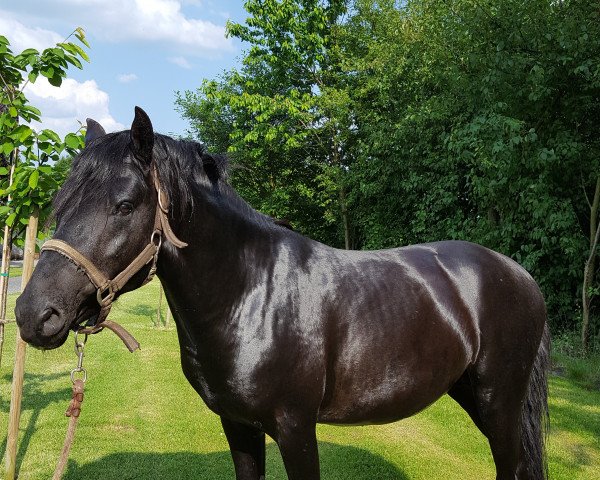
pixel 279 332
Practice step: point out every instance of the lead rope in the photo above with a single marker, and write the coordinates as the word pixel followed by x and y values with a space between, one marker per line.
pixel 78 378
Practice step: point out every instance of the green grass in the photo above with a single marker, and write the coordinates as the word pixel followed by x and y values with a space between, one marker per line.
pixel 16 271
pixel 569 360
pixel 142 420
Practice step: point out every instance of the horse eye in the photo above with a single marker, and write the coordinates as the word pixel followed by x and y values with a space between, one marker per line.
pixel 125 208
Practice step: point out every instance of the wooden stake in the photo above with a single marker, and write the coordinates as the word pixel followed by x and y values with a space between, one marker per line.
pixel 4 274
pixel 159 309
pixel 19 369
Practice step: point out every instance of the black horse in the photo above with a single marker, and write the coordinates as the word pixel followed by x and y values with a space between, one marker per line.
pixel 279 332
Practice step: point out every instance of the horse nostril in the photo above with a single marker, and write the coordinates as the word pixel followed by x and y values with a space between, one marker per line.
pixel 51 322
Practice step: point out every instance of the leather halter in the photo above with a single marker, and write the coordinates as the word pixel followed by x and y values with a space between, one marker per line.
pixel 106 289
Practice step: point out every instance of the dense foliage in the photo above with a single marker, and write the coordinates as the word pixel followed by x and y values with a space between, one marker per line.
pixel 381 123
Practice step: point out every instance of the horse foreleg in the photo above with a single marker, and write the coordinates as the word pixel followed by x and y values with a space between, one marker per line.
pixel 247 445
pixel 298 446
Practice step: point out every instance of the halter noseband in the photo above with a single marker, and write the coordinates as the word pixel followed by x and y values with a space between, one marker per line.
pixel 106 289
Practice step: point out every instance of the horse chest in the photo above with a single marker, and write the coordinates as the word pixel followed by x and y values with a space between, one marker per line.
pixel 226 388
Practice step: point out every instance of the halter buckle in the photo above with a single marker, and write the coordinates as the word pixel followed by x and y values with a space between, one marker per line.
pixel 105 300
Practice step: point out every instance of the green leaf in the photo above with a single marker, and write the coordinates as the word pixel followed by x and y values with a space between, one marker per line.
pixel 55 81
pixel 22 133
pixel 72 141
pixel 10 220
pixel 7 148
pixel 81 52
pixel 33 179
pixel 51 135
pixel 47 72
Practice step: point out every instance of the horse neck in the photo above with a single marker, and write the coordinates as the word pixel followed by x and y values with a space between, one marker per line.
pixel 231 248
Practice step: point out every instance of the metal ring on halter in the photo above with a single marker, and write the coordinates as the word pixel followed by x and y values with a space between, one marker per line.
pixel 160 204
pixel 156 234
pixel 79 352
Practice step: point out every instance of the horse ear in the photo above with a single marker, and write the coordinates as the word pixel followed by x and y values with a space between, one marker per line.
pixel 209 163
pixel 142 136
pixel 93 131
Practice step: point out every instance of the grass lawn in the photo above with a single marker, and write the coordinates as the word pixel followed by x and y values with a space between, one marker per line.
pixel 142 420
pixel 16 271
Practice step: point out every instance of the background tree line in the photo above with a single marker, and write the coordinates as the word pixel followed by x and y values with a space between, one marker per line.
pixel 372 124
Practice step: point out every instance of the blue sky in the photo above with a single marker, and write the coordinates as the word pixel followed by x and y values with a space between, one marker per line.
pixel 142 52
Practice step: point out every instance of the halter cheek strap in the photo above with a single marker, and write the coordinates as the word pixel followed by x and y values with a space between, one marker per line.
pixel 106 289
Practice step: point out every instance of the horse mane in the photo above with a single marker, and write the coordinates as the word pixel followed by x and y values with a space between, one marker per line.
pixel 181 164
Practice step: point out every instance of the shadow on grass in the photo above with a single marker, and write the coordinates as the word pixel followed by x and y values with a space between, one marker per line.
pixel 34 399
pixel 337 462
pixel 140 310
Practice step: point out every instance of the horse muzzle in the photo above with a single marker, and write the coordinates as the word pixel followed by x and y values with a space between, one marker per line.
pixel 41 325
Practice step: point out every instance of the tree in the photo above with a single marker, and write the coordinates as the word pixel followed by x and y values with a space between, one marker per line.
pixel 479 121
pixel 414 121
pixel 37 157
pixel 278 115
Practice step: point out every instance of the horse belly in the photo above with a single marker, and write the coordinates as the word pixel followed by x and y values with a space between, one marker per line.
pixel 384 388
pixel 384 403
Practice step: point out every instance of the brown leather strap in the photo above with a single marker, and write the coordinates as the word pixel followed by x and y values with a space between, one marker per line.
pixel 95 275
pixel 130 342
pixel 98 279
pixel 162 211
pixel 144 258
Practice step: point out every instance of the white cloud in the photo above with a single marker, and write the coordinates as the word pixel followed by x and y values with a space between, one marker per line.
pixel 160 21
pixel 64 108
pixel 181 62
pixel 127 77
pixel 22 37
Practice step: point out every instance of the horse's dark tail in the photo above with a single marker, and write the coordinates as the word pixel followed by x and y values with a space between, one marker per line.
pixel 535 419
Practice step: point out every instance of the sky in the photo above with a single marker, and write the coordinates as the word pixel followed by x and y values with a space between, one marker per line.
pixel 142 52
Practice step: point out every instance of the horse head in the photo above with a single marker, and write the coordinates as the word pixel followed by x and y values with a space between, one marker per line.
pixel 105 213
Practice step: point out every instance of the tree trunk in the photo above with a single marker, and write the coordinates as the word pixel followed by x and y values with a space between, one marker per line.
pixel 4 274
pixel 590 268
pixel 159 308
pixel 345 220
pixel 336 160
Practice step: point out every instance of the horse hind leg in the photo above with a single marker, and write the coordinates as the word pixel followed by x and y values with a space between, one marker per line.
pixel 495 417
pixel 462 393
pixel 497 422
pixel 509 405
pixel 297 441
